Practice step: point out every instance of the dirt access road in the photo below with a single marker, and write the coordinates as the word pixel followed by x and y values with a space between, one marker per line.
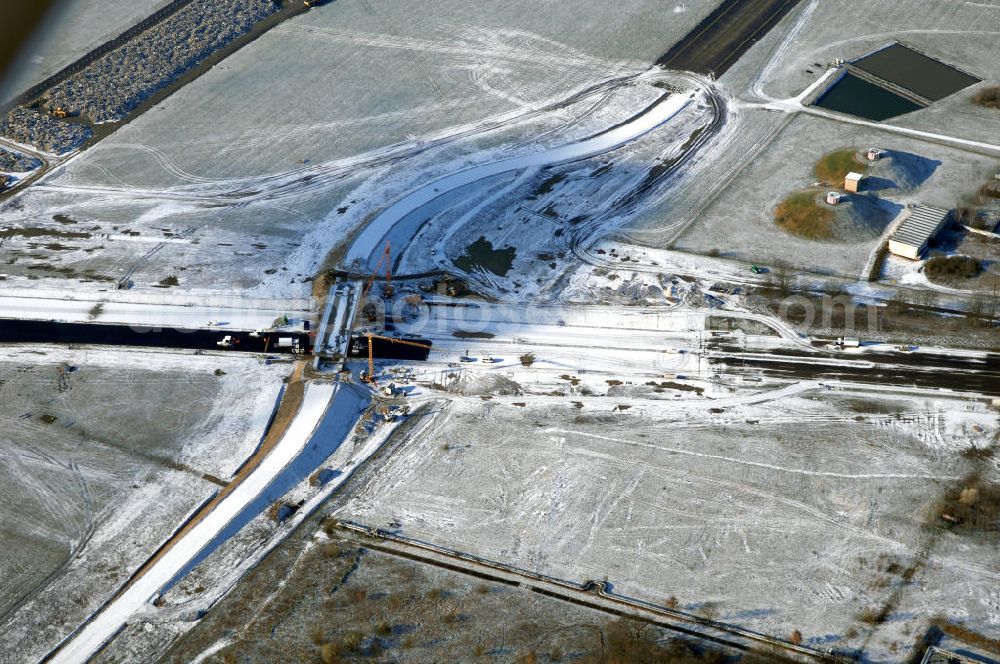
pixel 725 35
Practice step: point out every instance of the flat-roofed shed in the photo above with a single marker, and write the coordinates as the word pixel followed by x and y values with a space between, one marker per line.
pixel 911 238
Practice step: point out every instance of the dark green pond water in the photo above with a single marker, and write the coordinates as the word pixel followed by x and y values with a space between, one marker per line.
pixel 856 96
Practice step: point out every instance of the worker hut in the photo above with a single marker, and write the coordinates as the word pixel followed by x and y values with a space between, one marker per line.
pixel 922 223
pixel 852 181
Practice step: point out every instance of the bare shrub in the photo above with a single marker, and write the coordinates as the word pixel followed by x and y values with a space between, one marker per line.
pixel 964 267
pixel 872 615
pixel 990 98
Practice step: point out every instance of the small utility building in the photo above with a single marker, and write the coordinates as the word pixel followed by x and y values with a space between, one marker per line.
pixel 852 182
pixel 911 238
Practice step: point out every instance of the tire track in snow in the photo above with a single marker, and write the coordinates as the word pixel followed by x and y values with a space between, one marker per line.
pixel 760 464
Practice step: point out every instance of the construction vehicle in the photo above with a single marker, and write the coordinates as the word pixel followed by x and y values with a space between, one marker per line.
pixel 392 413
pixel 756 269
pixel 226 342
pixel 59 112
pixel 290 343
pixel 370 376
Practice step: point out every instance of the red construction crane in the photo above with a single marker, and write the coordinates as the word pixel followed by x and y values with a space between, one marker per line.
pixel 385 260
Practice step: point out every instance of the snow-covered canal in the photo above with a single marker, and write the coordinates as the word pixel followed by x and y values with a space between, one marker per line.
pixel 327 410
pixel 370 239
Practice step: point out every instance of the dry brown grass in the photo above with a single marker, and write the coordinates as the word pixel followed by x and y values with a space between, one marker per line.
pixel 800 214
pixel 990 190
pixel 832 167
pixel 963 634
pixel 873 616
pixel 632 642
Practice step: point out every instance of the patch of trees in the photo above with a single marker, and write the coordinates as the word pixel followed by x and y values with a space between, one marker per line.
pixel 964 267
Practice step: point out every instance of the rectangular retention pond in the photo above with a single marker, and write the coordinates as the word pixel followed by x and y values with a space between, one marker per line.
pixel 915 72
pixel 856 96
pixel 891 81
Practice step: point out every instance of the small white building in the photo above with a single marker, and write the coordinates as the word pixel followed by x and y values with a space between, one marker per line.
pixel 852 182
pixel 874 154
pixel 922 223
pixel 835 197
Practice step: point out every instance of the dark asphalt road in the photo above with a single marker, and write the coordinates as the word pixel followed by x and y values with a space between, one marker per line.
pixel 29 331
pixel 724 35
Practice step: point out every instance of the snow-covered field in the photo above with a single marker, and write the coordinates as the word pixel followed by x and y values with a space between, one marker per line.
pixel 101 462
pixel 789 513
pixel 962 34
pixel 150 309
pixel 221 183
pixel 113 617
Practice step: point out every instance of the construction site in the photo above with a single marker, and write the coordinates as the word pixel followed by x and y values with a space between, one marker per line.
pixel 534 332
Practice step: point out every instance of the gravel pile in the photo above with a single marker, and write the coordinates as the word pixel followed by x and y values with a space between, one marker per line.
pixel 112 86
pixel 30 127
pixel 15 162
